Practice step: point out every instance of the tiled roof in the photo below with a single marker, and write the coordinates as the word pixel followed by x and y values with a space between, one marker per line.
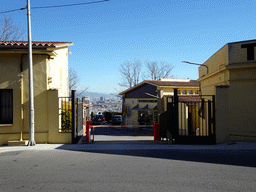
pixel 191 83
pixel 37 44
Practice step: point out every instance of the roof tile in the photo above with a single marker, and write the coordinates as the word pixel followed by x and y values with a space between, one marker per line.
pixel 191 83
pixel 38 44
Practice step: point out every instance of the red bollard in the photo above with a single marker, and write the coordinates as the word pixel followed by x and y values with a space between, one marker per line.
pixel 88 125
pixel 157 132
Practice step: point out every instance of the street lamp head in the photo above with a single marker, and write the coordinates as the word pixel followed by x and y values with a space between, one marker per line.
pixel 196 64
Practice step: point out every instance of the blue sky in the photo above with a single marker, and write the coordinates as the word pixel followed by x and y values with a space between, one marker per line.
pixel 110 33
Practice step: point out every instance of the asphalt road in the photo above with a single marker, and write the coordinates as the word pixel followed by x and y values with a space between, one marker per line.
pixel 128 161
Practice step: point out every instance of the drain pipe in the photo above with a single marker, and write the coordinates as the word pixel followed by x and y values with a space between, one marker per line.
pixel 21 99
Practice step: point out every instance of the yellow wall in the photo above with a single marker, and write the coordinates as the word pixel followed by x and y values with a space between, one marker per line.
pixel 53 120
pixel 57 68
pixel 235 104
pixel 134 114
pixel 10 79
pixel 133 117
pixel 46 111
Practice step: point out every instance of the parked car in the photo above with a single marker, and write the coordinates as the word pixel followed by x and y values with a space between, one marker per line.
pixel 98 119
pixel 117 120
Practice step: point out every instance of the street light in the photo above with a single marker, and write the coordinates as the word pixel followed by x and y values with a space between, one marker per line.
pixel 196 64
pixel 31 90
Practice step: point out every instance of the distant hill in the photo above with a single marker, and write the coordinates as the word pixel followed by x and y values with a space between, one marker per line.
pixel 93 95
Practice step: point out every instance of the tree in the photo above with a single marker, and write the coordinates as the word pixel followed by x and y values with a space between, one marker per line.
pixel 8 30
pixel 74 80
pixel 130 73
pixel 157 70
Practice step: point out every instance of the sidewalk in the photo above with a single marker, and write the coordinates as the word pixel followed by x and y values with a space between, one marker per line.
pixel 129 145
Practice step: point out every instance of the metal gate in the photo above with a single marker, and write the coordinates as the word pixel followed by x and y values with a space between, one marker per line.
pixel 189 122
pixel 72 117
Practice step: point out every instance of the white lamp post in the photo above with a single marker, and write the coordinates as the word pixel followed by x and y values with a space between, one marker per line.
pixel 31 90
pixel 195 64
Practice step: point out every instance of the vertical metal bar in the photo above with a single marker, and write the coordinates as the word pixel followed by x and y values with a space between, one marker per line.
pixel 180 119
pixel 73 96
pixel 203 114
pixel 196 117
pixel 200 119
pixel 76 116
pixel 213 118
pixel 185 116
pixel 209 118
pixel 61 114
pixel 176 112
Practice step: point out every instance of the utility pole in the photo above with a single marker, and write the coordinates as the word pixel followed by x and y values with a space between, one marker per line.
pixel 31 90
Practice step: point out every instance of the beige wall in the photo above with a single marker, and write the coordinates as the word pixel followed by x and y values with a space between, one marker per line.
pixel 134 114
pixel 54 135
pixel 10 79
pixel 133 117
pixel 215 63
pixel 235 104
pixel 57 68
pixel 46 111
pixel 222 115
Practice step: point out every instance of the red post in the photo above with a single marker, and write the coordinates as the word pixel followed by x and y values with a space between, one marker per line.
pixel 88 125
pixel 157 132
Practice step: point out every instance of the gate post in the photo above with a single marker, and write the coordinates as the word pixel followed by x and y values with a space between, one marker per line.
pixel 176 114
pixel 209 118
pixel 73 96
pixel 157 132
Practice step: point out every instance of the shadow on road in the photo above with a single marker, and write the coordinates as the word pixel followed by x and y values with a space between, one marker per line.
pixel 236 157
pixel 133 146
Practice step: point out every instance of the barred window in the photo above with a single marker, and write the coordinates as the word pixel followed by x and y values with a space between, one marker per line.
pixel 6 106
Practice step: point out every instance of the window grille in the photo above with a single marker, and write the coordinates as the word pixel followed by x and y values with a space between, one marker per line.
pixel 6 106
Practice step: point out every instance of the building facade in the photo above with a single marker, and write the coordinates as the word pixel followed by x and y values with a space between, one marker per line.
pixel 231 78
pixel 149 98
pixel 50 70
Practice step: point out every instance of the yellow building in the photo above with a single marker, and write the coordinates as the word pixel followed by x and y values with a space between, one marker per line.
pixel 50 69
pixel 149 98
pixel 231 77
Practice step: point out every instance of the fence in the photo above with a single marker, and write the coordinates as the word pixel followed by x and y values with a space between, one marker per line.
pixel 189 121
pixel 72 117
pixel 65 114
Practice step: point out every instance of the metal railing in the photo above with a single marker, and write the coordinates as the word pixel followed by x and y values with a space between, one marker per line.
pixel 65 114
